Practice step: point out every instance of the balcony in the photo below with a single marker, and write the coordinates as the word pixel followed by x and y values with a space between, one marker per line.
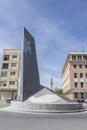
pixel 75 79
pixel 81 79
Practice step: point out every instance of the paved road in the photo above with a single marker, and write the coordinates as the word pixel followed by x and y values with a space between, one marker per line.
pixel 26 121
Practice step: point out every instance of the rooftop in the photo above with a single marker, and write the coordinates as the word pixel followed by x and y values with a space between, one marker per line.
pixel 68 56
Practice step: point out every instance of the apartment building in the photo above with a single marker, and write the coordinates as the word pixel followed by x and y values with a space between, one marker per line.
pixel 74 76
pixel 9 74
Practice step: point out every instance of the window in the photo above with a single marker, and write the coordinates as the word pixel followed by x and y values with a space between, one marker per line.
pixel 76 84
pixel 73 57
pixel 75 75
pixel 81 75
pixel 6 57
pixel 74 66
pixel 4 74
pixel 86 75
pixel 12 82
pixel 80 66
pixel 81 84
pixel 79 57
pixel 84 57
pixel 75 94
pixel 5 66
pixel 86 66
pixel 14 56
pixel 13 64
pixel 82 95
pixel 12 73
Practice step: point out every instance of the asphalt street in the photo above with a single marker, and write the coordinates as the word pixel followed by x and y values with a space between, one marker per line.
pixel 27 121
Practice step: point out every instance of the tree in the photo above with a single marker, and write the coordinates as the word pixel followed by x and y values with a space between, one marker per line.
pixel 58 90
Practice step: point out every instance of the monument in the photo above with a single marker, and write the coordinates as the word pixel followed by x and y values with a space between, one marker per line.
pixel 29 76
pixel 31 95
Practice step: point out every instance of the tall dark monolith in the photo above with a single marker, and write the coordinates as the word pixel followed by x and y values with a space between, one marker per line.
pixel 29 76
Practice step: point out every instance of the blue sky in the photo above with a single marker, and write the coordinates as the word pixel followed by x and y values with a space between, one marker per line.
pixel 58 26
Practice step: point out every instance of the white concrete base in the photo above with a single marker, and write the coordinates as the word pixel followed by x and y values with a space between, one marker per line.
pixel 46 101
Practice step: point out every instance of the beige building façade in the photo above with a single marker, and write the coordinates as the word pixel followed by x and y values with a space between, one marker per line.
pixel 9 74
pixel 74 76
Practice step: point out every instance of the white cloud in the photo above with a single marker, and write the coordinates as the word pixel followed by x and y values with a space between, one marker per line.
pixel 51 67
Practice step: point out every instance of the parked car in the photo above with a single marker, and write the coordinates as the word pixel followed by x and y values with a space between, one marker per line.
pixel 85 100
pixel 8 100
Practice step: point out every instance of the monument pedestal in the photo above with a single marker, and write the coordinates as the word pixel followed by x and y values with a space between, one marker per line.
pixel 50 108
pixel 46 101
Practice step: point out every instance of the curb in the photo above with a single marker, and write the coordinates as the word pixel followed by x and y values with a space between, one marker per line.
pixel 42 111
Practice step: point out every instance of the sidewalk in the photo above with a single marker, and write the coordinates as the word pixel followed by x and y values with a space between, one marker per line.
pixel 3 104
